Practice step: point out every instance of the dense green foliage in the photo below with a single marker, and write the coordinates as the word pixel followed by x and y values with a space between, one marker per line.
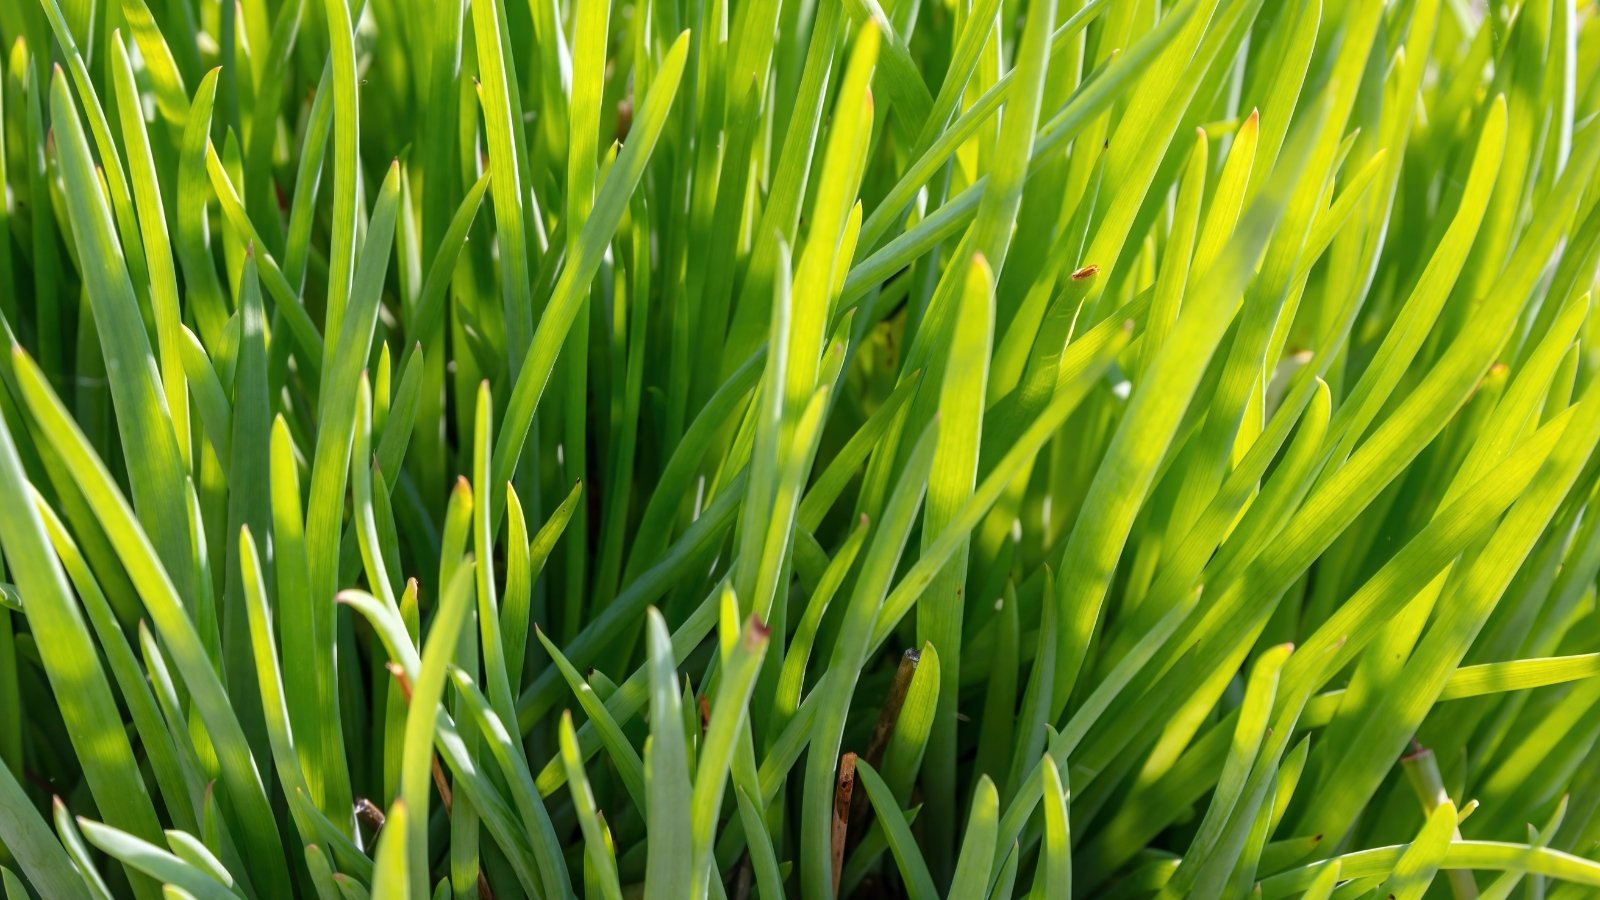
pixel 714 448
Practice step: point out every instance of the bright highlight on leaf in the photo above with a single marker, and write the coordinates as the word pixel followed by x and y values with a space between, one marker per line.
pixel 814 448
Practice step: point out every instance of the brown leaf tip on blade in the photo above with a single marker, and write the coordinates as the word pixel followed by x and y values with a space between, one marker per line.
pixel 1089 271
pixel 1254 117
pixel 369 812
pixel 842 791
pixel 757 631
pixel 463 486
pixel 624 117
pixel 1416 751
pixel 847 776
pixel 705 712
pixel 889 716
pixel 401 679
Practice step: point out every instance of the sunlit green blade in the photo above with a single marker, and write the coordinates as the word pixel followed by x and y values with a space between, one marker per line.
pixel 563 306
pixel 346 148
pixel 427 688
pixel 1056 872
pixel 669 866
pixel 622 754
pixel 152 212
pixel 596 849
pixel 72 665
pixel 155 468
pixel 918 883
pixel 872 583
pixel 254 823
pixel 154 861
pixel 30 843
pixel 950 486
pixel 1482 855
pixel 976 861
pixel 1248 735
pixel 743 648
pixel 179 783
pixel 390 875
